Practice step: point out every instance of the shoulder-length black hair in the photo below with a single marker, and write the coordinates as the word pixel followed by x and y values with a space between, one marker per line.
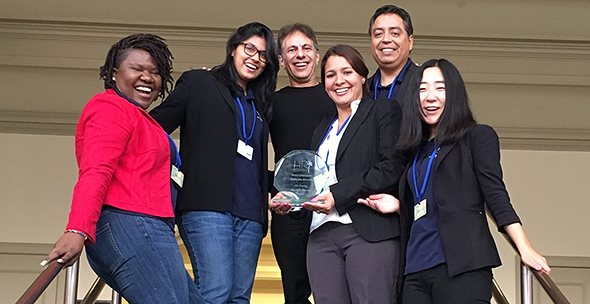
pixel 265 84
pixel 154 45
pixel 456 119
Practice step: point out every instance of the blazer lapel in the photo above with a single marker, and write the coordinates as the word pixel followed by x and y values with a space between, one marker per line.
pixel 444 150
pixel 224 91
pixel 353 125
pixel 320 132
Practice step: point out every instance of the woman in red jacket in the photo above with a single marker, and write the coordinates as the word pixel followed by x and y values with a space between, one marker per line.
pixel 123 202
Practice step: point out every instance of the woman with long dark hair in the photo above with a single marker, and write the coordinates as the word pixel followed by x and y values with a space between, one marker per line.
pixel 454 173
pixel 222 206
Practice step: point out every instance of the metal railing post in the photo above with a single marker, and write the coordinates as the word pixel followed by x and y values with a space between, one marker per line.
pixel 116 298
pixel 526 285
pixel 71 292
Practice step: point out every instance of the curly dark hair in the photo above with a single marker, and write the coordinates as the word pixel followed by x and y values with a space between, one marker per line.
pixel 152 44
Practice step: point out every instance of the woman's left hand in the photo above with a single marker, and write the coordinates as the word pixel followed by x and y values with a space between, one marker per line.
pixel 321 203
pixel 527 254
pixel 66 250
pixel 533 259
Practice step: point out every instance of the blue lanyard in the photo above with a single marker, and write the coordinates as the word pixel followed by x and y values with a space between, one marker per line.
pixel 337 134
pixel 177 161
pixel 246 139
pixel 420 194
pixel 377 79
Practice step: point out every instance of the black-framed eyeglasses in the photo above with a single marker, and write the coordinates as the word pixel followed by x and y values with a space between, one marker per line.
pixel 251 50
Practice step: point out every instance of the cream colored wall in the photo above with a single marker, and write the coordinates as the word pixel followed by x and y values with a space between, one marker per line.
pixel 38 173
pixel 548 190
pixel 526 64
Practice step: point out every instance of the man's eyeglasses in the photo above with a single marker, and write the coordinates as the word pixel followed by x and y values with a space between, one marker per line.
pixel 251 51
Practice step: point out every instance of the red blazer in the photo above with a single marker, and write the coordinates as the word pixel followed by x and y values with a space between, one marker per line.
pixel 124 161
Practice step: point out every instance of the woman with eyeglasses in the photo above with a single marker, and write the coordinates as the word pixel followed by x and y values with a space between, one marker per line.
pixel 222 206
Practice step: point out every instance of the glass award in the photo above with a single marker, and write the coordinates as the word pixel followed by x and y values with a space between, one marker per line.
pixel 300 176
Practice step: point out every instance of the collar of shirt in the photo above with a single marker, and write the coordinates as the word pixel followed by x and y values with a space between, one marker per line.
pixel 399 78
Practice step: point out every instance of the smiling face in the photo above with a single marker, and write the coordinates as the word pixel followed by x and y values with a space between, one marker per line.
pixel 390 43
pixel 249 67
pixel 343 84
pixel 432 97
pixel 138 78
pixel 299 59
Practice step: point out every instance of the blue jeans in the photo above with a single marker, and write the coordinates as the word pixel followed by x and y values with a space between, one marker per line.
pixel 224 253
pixel 138 256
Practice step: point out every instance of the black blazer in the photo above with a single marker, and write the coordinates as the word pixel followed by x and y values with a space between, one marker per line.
pixel 206 112
pixel 366 164
pixel 467 176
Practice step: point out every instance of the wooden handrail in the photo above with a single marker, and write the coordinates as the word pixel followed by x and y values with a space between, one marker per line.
pixel 544 279
pixel 552 290
pixel 48 275
pixel 41 283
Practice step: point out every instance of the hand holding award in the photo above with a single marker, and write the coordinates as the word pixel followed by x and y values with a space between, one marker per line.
pixel 300 176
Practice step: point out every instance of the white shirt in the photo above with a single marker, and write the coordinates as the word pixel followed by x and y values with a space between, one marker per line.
pixel 328 150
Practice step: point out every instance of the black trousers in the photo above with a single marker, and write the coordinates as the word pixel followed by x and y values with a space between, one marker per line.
pixel 434 286
pixel 289 235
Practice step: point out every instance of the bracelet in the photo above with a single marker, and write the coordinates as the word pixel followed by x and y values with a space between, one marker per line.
pixel 78 232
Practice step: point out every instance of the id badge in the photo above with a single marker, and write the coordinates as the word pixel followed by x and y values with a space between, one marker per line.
pixel 420 210
pixel 177 176
pixel 245 150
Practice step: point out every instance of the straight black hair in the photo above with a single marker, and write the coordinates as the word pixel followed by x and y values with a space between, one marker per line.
pixel 456 119
pixel 265 84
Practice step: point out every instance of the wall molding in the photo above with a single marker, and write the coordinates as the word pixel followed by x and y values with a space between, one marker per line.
pixel 544 139
pixel 94 37
pixel 503 62
pixel 20 122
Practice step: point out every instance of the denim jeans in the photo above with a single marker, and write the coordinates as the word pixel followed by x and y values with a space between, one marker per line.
pixel 138 256
pixel 224 253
